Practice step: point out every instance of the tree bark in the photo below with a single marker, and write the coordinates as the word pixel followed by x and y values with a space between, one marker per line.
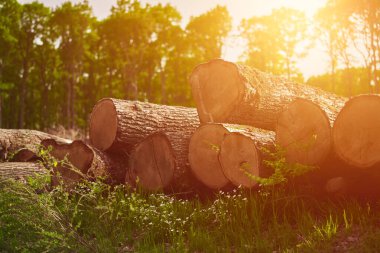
pixel 21 171
pixel 81 161
pixel 232 93
pixel 118 125
pixel 12 140
pixel 356 132
pixel 217 151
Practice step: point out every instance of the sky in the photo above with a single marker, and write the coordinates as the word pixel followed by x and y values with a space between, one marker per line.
pixel 316 62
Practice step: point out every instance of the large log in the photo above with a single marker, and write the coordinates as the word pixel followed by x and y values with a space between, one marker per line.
pixel 303 132
pixel 78 161
pixel 232 93
pixel 356 131
pixel 21 171
pixel 118 125
pixel 13 140
pixel 219 153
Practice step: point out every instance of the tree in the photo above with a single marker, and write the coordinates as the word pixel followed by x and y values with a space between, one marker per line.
pixel 275 41
pixel 365 17
pixel 34 17
pixel 71 24
pixel 10 13
pixel 206 33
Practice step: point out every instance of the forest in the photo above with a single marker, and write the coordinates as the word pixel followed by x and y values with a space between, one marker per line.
pixel 55 63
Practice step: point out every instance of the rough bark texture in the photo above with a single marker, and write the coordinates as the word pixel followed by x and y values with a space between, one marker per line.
pixel 11 140
pixel 88 162
pixel 20 171
pixel 234 93
pixel 118 125
pixel 356 132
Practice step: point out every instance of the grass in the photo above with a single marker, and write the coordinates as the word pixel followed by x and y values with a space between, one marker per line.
pixel 97 218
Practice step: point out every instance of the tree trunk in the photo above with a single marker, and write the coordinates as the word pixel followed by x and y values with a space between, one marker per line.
pixel 216 155
pixel 23 87
pixel 233 93
pixel 118 125
pixel 356 132
pixel 78 161
pixel 21 171
pixel 12 140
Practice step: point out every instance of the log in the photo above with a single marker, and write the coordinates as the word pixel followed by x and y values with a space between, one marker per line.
pixel 12 140
pixel 153 167
pixel 83 162
pixel 356 132
pixel 118 125
pixel 226 92
pixel 242 154
pixel 21 171
pixel 303 132
pixel 152 163
pixel 24 155
pixel 214 166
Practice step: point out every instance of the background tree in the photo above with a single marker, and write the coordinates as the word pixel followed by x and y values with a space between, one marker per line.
pixel 71 24
pixel 273 40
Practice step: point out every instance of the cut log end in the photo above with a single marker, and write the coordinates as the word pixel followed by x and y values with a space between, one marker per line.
pixel 152 163
pixel 303 131
pixel 24 155
pixel 239 159
pixel 103 124
pixel 220 81
pixel 356 131
pixel 79 157
pixel 203 155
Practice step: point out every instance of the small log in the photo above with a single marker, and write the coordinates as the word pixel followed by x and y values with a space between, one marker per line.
pixel 118 125
pixel 204 149
pixel 24 155
pixel 303 131
pixel 232 93
pixel 217 153
pixel 356 132
pixel 84 162
pixel 21 171
pixel 12 140
pixel 242 154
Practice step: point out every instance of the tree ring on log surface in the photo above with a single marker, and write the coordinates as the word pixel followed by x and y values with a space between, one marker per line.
pixel 303 130
pixel 152 163
pixel 239 158
pixel 103 124
pixel 203 155
pixel 356 131
pixel 221 82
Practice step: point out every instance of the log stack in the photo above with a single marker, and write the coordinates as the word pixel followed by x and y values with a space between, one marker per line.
pixel 241 116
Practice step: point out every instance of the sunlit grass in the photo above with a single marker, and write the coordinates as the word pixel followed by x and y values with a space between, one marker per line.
pixel 96 218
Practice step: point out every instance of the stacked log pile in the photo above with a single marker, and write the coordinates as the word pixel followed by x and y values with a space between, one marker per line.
pixel 241 114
